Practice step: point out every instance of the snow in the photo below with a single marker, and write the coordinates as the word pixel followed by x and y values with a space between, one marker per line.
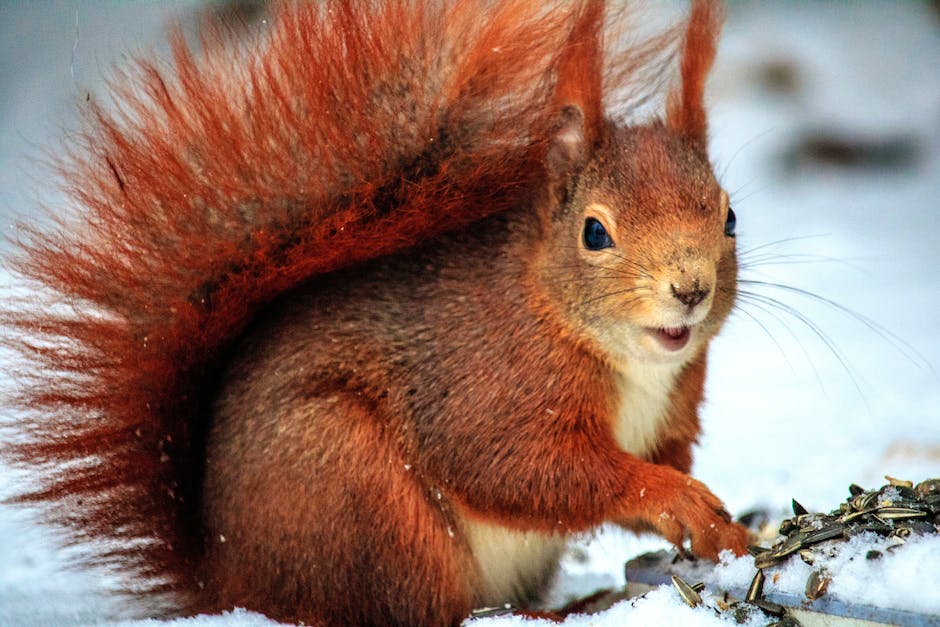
pixel 240 617
pixel 661 607
pixel 785 416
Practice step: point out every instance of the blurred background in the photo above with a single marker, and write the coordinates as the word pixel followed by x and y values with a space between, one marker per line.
pixel 825 129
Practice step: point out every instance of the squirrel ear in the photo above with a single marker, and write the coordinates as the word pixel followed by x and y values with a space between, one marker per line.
pixel 579 92
pixel 685 108
pixel 568 149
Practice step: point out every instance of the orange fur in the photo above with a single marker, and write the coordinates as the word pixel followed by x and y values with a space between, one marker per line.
pixel 316 304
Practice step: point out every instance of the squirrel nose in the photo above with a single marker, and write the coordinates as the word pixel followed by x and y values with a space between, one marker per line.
pixel 689 296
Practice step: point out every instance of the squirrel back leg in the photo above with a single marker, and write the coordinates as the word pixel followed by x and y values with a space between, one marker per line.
pixel 290 495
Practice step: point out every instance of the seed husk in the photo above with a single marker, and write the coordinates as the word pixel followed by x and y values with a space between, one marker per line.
pixel 899 482
pixel 927 487
pixel 899 513
pixel 826 533
pixel 874 525
pixel 870 500
pixel 809 522
pixel 906 494
pixel 901 532
pixel 766 560
pixel 816 585
pixel 857 514
pixel 793 544
pixel 690 596
pixel 788 526
pixel 756 589
pixel 774 609
pixel 492 612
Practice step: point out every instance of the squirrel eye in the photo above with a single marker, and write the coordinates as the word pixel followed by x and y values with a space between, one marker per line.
pixel 595 235
pixel 730 222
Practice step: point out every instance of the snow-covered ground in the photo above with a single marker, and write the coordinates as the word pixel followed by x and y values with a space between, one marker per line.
pixel 826 130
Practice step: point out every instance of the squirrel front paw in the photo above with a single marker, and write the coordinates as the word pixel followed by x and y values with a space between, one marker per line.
pixel 679 507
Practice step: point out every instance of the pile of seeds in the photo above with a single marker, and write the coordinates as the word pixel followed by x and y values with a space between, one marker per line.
pixel 897 510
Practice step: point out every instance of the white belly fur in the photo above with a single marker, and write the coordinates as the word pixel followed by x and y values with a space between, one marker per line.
pixel 644 405
pixel 515 566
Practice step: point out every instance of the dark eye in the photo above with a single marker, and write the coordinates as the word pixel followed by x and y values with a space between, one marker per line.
pixel 595 235
pixel 730 222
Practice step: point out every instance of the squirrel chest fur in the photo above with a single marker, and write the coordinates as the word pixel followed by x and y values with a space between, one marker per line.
pixel 374 367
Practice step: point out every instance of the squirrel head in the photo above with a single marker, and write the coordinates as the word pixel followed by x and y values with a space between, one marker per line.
pixel 639 247
pixel 640 252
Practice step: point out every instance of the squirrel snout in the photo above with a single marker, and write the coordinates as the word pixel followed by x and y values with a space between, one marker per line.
pixel 690 295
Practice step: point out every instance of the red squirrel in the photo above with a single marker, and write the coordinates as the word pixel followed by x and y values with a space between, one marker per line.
pixel 355 322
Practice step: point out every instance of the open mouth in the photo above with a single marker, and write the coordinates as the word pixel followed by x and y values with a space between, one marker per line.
pixel 672 338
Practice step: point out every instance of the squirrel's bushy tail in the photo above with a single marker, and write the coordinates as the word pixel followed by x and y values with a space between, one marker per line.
pixel 210 186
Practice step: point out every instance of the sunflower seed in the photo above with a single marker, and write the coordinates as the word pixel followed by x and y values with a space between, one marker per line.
pixel 899 482
pixel 690 596
pixel 774 609
pixel 927 487
pixel 793 544
pixel 756 589
pixel 899 513
pixel 766 560
pixel 826 533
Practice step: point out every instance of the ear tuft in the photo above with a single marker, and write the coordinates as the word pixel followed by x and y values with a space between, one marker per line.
pixel 685 111
pixel 580 70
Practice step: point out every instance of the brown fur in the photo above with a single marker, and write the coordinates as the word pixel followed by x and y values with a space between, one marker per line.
pixel 376 408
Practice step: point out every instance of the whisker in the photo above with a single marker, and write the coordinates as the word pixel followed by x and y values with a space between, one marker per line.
pixel 770 256
pixel 771 259
pixel 613 276
pixel 724 168
pixel 814 328
pixel 767 332
pixel 902 346
pixel 629 262
pixel 780 242
pixel 746 298
pixel 616 293
pixel 738 197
